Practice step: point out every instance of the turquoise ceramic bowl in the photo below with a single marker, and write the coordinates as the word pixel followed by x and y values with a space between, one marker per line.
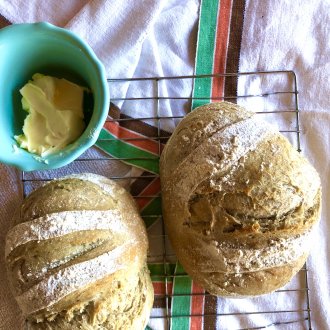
pixel 41 47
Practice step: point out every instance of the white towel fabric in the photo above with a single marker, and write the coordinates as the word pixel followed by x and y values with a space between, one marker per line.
pixel 154 37
pixel 295 35
pixel 132 39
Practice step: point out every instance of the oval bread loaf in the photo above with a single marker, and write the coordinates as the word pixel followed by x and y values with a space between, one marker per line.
pixel 239 201
pixel 76 257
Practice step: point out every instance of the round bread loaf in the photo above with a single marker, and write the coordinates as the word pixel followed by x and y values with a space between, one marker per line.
pixel 238 200
pixel 76 257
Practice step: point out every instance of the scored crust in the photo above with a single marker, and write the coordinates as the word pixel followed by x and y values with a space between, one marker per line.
pixel 229 179
pixel 62 274
pixel 126 304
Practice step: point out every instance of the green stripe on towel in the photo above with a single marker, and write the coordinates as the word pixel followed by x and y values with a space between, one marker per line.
pixel 205 51
pixel 181 299
pixel 119 149
pixel 159 271
pixel 151 210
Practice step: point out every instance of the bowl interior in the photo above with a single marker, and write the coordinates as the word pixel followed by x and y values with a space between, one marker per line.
pixel 42 48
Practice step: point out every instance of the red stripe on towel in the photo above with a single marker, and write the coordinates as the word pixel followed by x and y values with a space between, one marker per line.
pixel 133 138
pixel 221 47
pixel 197 307
pixel 152 189
pixel 160 289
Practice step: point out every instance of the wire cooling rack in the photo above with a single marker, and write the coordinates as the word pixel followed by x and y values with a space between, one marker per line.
pixel 274 96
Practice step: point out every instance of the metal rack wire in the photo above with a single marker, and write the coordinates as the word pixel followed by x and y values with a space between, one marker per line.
pixel 279 87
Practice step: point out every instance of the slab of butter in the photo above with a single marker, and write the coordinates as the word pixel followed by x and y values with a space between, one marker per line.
pixel 55 118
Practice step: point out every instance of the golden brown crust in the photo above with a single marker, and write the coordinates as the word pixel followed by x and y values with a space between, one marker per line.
pixel 234 189
pixel 85 250
pixel 249 284
pixel 65 195
pixel 120 294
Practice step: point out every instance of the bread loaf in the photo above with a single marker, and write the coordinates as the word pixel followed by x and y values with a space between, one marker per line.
pixel 76 257
pixel 239 201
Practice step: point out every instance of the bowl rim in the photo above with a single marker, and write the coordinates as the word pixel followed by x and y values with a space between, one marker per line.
pixel 91 132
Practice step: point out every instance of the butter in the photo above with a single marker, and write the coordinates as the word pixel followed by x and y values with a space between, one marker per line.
pixel 55 118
